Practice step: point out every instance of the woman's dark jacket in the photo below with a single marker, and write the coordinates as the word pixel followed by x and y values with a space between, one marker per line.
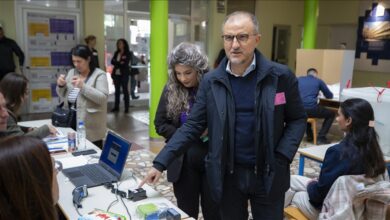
pixel 166 127
pixel 340 159
pixel 122 64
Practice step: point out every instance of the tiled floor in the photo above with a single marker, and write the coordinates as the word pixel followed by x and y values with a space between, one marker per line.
pixel 134 127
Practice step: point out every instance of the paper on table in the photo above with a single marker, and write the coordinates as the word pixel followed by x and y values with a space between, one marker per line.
pixel 69 162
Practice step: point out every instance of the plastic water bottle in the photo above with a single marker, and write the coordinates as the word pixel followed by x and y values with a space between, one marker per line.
pixel 81 143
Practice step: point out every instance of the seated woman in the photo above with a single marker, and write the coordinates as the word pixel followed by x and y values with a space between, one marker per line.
pixel 28 181
pixel 358 153
pixel 86 88
pixel 14 87
pixel 3 116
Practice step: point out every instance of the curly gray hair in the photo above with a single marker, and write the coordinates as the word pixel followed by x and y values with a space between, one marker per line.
pixel 177 95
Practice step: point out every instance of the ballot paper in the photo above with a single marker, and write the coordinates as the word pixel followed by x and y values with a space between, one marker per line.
pixel 58 143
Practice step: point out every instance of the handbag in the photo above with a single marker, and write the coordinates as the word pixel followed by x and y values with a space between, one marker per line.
pixel 64 117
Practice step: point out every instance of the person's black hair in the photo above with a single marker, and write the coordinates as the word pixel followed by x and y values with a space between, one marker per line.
pixel 311 70
pixel 126 45
pixel 362 135
pixel 84 52
pixel 221 55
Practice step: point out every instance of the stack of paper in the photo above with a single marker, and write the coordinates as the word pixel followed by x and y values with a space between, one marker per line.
pixel 57 144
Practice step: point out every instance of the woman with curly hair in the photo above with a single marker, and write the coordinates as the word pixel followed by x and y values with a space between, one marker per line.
pixel 187 173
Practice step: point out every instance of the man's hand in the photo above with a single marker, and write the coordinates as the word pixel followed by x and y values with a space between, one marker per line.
pixel 152 177
pixel 205 133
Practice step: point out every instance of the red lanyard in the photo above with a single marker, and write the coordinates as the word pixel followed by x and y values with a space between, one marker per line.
pixel 380 93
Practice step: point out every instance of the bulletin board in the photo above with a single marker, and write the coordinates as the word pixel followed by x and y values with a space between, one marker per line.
pixel 48 39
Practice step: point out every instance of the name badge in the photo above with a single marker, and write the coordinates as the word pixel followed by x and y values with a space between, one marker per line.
pixel 280 98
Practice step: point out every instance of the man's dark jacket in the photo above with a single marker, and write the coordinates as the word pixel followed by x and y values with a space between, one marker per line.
pixel 7 48
pixel 279 128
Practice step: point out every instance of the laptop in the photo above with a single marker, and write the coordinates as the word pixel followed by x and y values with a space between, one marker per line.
pixel 110 167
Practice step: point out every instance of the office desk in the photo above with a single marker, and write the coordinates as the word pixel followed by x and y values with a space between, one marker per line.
pixel 317 154
pixel 100 197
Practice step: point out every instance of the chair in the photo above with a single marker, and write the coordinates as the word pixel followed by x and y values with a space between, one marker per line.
pixel 313 123
pixel 293 213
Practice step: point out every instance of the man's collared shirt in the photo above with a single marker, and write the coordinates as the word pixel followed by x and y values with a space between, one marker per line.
pixel 249 69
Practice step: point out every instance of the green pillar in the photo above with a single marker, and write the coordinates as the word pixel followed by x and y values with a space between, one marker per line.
pixel 310 24
pixel 158 56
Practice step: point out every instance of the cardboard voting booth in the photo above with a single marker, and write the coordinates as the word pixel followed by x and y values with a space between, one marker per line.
pixel 334 66
pixel 379 98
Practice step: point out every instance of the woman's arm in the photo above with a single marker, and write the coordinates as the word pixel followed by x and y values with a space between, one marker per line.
pixel 62 90
pixel 164 126
pixel 124 61
pixel 113 59
pixel 332 168
pixel 99 93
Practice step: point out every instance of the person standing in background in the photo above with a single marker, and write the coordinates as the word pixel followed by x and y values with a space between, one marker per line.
pixel 143 72
pixel 309 88
pixel 133 74
pixel 121 72
pixel 85 88
pixel 7 48
pixel 90 40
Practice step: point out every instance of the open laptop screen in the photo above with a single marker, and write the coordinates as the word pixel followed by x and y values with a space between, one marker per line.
pixel 114 154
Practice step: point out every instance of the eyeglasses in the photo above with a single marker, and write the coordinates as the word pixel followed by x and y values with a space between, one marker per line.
pixel 242 38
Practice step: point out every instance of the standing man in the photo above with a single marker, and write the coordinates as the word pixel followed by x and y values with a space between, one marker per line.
pixel 309 87
pixel 255 120
pixel 7 48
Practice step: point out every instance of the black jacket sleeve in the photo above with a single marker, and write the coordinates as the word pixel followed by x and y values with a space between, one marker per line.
pixel 113 59
pixel 16 49
pixel 164 126
pixel 123 62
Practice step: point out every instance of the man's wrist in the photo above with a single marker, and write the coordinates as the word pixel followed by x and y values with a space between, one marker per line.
pixel 158 166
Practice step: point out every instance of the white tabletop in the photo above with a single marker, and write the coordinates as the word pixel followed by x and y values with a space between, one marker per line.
pixel 318 152
pixel 35 123
pixel 100 197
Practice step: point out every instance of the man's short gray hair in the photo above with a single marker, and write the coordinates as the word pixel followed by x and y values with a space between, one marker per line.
pixel 253 18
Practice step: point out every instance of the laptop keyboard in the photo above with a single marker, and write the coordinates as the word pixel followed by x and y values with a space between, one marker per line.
pixel 94 174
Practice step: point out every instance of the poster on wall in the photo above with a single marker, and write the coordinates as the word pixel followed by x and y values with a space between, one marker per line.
pixel 49 40
pixel 373 40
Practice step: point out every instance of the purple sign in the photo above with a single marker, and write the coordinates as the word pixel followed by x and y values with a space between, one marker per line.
pixel 60 58
pixel 65 26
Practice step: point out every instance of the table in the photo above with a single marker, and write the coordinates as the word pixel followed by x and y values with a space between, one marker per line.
pixel 332 104
pixel 100 197
pixel 317 154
